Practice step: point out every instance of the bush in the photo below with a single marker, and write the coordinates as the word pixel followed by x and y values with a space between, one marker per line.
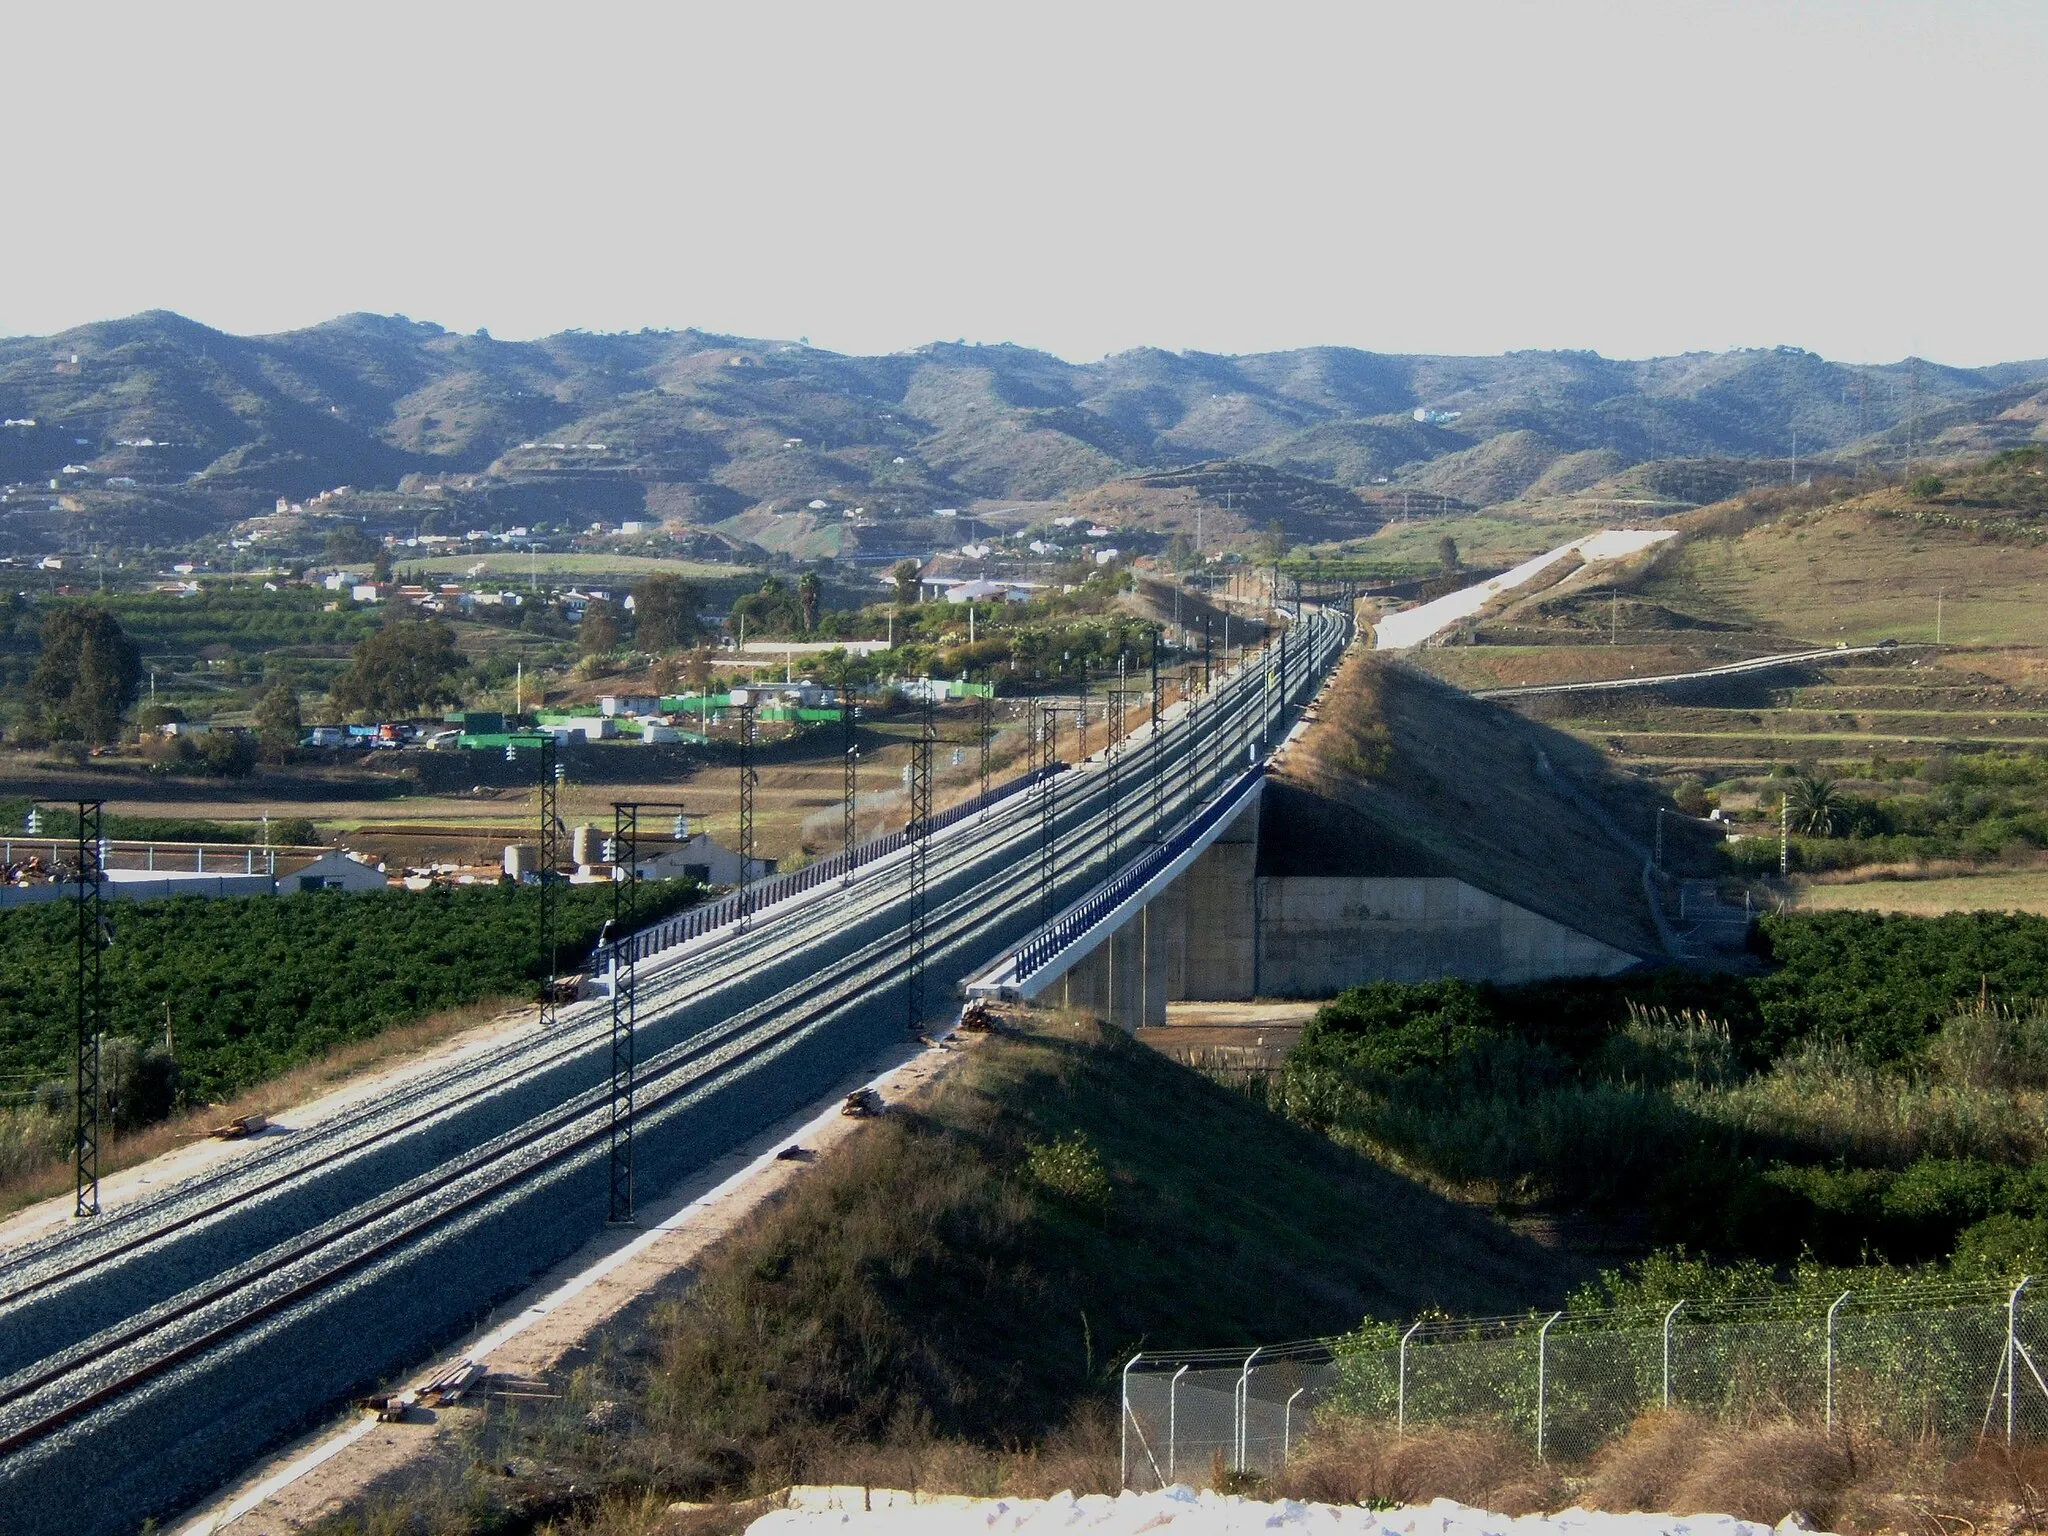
pixel 1071 1168
pixel 1925 485
pixel 1390 1028
pixel 228 754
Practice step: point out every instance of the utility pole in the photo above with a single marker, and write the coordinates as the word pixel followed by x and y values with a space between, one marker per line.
pixel 92 935
pixel 1614 615
pixel 1784 836
pixel 1660 838
pixel 919 833
pixel 1939 594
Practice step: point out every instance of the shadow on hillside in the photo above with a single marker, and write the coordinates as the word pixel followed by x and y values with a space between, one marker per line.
pixel 1404 774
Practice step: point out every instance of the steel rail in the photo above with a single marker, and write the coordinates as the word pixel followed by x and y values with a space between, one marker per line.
pixel 848 979
pixel 505 1065
pixel 787 1013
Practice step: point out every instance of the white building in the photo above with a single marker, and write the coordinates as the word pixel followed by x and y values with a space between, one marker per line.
pixel 697 855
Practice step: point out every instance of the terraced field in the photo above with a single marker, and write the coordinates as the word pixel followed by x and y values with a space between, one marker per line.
pixel 1933 758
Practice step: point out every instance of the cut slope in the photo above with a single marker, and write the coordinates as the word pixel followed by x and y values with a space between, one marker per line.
pixel 1403 775
pixel 979 1265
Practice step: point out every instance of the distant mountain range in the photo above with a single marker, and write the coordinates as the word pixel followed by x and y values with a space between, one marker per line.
pixel 158 429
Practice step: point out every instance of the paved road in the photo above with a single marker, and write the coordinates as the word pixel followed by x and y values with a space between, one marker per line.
pixel 147 1355
pixel 1730 669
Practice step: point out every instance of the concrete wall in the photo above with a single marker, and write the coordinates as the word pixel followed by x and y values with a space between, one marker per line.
pixel 1318 935
pixel 1195 940
pixel 1223 933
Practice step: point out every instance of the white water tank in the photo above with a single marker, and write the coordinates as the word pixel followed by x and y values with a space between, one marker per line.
pixel 586 844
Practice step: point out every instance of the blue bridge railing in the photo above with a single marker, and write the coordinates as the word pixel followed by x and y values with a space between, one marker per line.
pixel 1044 946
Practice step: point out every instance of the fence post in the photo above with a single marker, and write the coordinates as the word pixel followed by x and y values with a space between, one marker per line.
pixel 1244 1386
pixel 1542 1376
pixel 1830 1413
pixel 1124 1426
pixel 1668 1316
pixel 1401 1383
pixel 1287 1426
pixel 2012 1351
pixel 1173 1418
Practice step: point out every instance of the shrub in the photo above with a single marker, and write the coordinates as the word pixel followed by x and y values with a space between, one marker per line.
pixel 1391 1028
pixel 1071 1168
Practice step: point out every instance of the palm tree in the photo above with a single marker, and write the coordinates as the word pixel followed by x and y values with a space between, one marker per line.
pixel 809 592
pixel 1815 803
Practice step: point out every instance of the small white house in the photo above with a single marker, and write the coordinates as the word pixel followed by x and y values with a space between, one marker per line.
pixel 697 855
pixel 339 870
pixel 613 705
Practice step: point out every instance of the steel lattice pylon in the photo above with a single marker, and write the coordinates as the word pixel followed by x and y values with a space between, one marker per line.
pixel 1048 808
pixel 746 714
pixel 550 857
pixel 623 957
pixel 624 954
pixel 918 834
pixel 91 935
pixel 849 744
pixel 984 719
pixel 1158 756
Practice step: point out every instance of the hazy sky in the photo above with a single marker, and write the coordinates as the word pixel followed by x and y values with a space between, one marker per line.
pixel 1861 179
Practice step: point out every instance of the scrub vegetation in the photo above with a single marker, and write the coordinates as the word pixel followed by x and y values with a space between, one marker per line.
pixel 1878 1094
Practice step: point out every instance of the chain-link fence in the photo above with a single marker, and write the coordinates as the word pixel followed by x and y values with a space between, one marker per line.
pixel 1944 1362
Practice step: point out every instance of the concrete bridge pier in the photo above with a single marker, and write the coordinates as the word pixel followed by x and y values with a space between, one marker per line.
pixel 1197 939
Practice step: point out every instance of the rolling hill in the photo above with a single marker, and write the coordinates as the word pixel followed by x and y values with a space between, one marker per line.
pixel 156 427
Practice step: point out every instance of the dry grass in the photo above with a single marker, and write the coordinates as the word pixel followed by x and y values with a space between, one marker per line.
pixel 1676 1462
pixel 35 1148
pixel 1833 1105
pixel 1358 1462
pixel 1995 891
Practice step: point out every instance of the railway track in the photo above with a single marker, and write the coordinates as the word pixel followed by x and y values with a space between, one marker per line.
pixel 154 1364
